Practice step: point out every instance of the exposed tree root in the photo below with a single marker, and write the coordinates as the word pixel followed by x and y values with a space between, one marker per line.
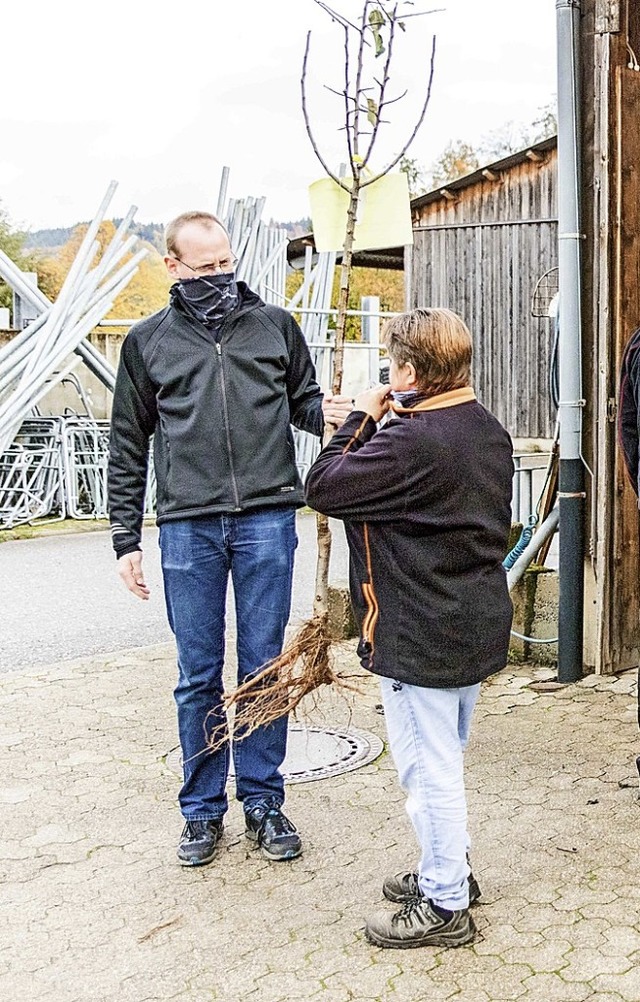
pixel 277 689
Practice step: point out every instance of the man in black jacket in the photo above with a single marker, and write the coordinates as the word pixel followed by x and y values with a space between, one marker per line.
pixel 217 378
pixel 426 504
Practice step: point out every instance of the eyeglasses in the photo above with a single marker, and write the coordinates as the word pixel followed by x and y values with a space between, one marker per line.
pixel 224 267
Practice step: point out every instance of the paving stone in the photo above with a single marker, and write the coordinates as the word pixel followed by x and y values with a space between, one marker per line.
pixel 542 958
pixel 551 988
pixel 507 982
pixel 626 985
pixel 95 909
pixel 584 965
pixel 622 940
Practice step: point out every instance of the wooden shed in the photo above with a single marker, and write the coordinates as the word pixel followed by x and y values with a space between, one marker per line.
pixel 481 244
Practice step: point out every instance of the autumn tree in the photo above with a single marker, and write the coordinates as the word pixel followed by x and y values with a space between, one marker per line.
pixel 460 157
pixel 144 294
pixel 457 159
pixel 416 177
pixel 12 242
pixel 386 283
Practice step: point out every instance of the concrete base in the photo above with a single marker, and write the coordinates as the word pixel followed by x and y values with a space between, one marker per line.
pixel 535 615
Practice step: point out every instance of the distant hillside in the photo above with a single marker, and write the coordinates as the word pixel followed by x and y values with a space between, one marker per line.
pixel 51 240
pixel 153 233
pixel 295 227
pixel 47 239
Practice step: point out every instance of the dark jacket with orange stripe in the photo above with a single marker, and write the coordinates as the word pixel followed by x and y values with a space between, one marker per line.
pixel 426 504
pixel 629 409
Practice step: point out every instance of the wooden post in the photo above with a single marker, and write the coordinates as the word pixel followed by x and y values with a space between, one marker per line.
pixel 611 310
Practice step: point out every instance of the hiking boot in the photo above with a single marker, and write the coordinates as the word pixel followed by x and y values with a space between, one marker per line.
pixel 198 842
pixel 277 838
pixel 418 924
pixel 404 887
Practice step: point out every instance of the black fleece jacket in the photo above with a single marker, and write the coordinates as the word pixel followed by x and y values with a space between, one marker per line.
pixel 426 505
pixel 220 410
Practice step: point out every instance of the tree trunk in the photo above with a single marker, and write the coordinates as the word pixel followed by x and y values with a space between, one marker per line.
pixel 321 599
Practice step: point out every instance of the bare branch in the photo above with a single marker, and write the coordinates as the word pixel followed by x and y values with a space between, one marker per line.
pixel 419 122
pixel 421 13
pixel 355 131
pixel 305 115
pixel 339 93
pixel 348 112
pixel 337 17
pixel 392 100
pixel 382 88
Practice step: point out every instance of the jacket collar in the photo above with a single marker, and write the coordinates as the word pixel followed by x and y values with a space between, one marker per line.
pixel 450 399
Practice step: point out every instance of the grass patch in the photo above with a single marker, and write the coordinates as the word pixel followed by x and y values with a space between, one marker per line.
pixel 62 527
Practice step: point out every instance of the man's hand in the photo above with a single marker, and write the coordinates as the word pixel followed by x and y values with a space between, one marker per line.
pixel 375 401
pixel 130 570
pixel 336 410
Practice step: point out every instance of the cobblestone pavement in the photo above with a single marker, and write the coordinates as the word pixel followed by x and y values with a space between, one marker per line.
pixel 94 908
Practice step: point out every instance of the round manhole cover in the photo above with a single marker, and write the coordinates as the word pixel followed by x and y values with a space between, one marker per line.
pixel 315 753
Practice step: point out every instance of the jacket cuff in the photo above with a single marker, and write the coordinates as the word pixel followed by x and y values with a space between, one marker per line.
pixel 124 548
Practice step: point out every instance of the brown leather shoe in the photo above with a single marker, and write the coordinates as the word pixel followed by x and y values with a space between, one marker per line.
pixel 417 924
pixel 404 886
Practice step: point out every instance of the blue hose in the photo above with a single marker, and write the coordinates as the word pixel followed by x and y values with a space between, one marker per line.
pixel 521 545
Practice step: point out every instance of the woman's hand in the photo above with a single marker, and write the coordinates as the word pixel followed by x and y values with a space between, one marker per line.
pixel 375 401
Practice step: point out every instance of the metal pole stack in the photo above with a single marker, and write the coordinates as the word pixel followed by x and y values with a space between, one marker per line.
pixel 54 466
pixel 38 358
pixel 315 295
pixel 261 249
pixel 93 359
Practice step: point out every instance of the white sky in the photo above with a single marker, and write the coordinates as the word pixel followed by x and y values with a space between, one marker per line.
pixel 160 96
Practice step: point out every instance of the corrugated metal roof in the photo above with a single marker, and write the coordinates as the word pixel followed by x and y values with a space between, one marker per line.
pixel 477 175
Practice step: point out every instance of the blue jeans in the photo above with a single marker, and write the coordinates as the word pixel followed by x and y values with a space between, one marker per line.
pixel 428 733
pixel 197 556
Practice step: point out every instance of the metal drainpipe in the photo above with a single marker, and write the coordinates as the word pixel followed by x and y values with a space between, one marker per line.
pixel 571 480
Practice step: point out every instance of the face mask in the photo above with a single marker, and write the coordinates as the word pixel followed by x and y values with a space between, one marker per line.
pixel 405 397
pixel 209 298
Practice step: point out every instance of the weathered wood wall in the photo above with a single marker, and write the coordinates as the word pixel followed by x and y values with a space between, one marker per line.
pixel 479 249
pixel 611 312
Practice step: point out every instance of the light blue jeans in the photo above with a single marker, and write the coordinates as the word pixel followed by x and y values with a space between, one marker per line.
pixel 198 555
pixel 428 732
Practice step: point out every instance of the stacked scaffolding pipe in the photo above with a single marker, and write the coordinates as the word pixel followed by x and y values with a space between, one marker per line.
pixel 93 359
pixel 31 364
pixel 261 249
pixel 315 295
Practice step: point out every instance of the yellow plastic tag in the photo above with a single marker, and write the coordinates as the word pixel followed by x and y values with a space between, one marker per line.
pixel 383 219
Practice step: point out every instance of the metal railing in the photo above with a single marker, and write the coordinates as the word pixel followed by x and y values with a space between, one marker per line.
pixel 530 471
pixel 56 468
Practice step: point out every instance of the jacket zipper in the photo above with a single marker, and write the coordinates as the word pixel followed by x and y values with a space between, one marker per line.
pixel 226 427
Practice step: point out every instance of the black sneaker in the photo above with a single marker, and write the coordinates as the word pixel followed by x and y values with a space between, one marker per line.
pixel 277 838
pixel 198 842
pixel 418 924
pixel 404 887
